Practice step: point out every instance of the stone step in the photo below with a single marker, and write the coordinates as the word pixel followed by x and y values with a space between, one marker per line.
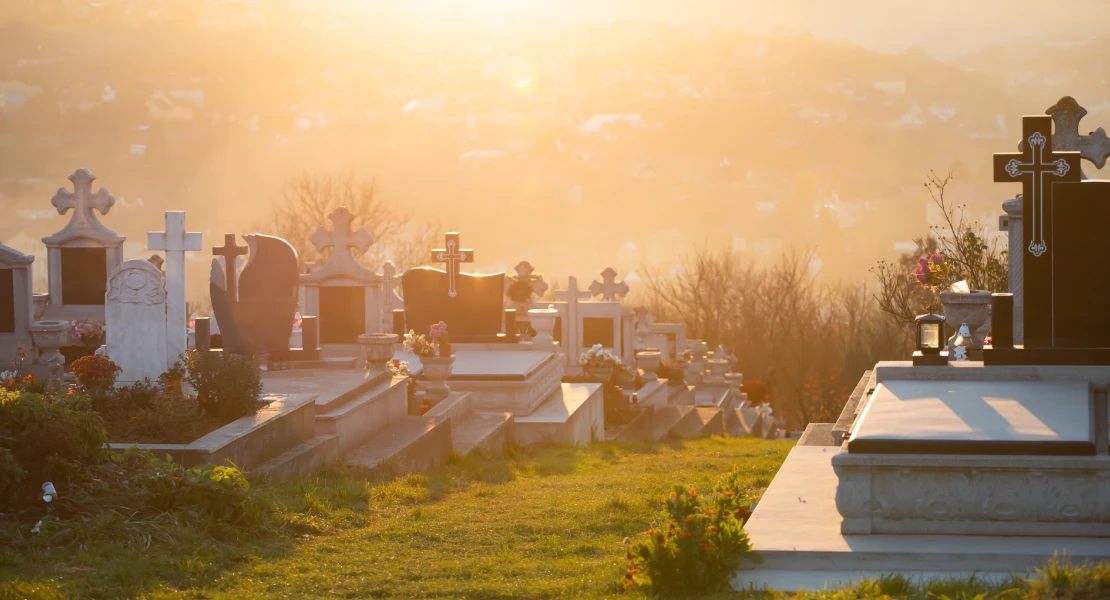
pixel 363 414
pixel 486 432
pixel 457 406
pixel 743 421
pixel 666 418
pixel 700 422
pixel 409 444
pixel 301 460
pixel 640 429
pixel 573 414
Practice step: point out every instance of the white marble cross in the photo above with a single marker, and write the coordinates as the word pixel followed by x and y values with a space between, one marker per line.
pixel 1066 114
pixel 342 240
pixel 608 288
pixel 175 242
pixel 82 201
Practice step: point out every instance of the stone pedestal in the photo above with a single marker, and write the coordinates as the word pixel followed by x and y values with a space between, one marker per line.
pixel 648 361
pixel 717 370
pixel 542 320
pixel 48 338
pixel 378 348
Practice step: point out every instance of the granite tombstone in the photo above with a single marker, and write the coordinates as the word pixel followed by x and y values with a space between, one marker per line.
pixel 262 316
pixel 473 314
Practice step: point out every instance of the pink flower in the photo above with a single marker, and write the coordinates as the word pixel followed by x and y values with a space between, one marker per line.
pixel 936 259
pixel 922 275
pixel 924 262
pixel 439 330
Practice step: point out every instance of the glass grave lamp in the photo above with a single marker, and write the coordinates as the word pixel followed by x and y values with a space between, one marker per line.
pixel 930 339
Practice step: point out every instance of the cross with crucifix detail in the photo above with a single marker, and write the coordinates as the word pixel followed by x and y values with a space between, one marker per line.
pixel 1032 166
pixel 230 251
pixel 82 201
pixel 452 256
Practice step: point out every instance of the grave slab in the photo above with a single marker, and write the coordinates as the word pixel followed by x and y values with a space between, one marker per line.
pixel 515 380
pixel 574 414
pixel 796 528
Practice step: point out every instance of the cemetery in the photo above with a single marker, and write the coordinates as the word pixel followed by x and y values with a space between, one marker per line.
pixel 344 384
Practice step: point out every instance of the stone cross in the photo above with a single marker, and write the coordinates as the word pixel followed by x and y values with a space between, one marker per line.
pixel 175 242
pixel 452 256
pixel 608 288
pixel 524 272
pixel 230 252
pixel 342 240
pixel 570 341
pixel 1036 162
pixel 1066 114
pixel 82 200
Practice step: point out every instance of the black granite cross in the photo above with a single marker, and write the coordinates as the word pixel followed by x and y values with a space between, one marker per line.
pixel 452 256
pixel 230 251
pixel 1031 166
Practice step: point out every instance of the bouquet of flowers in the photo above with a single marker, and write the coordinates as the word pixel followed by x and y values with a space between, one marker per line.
pixel 438 335
pixel 399 368
pixel 419 345
pixel 599 358
pixel 87 332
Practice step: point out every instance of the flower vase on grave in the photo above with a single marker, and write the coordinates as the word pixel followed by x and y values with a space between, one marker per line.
pixel 542 321
pixel 601 374
pixel 445 349
pixel 437 369
pixel 972 308
pixel 648 362
pixel 379 348
pixel 49 337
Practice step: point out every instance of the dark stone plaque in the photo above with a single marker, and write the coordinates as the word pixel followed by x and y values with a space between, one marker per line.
pixel 7 301
pixel 473 314
pixel 597 330
pixel 342 314
pixel 1080 266
pixel 84 275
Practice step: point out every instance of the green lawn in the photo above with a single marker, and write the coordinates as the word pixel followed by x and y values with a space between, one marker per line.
pixel 530 524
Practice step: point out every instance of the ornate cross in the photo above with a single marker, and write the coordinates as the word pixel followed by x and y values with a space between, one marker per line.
pixel 230 251
pixel 82 200
pixel 608 288
pixel 342 240
pixel 1036 162
pixel 524 272
pixel 1066 114
pixel 452 256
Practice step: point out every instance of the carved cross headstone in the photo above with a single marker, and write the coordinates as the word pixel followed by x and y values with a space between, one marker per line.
pixel 82 201
pixel 609 288
pixel 175 242
pixel 230 252
pixel 452 256
pixel 1066 114
pixel 524 272
pixel 342 240
pixel 1036 166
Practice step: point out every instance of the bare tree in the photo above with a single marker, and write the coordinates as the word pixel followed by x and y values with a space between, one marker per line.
pixel 308 199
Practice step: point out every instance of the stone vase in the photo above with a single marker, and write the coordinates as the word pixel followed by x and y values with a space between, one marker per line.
pixel 543 323
pixel 436 370
pixel 648 361
pixel 602 374
pixel 378 348
pixel 972 308
pixel 48 338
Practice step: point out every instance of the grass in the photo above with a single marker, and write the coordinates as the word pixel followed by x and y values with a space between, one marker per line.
pixel 546 523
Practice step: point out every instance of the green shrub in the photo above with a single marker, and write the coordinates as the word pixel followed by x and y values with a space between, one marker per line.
pixel 227 385
pixel 700 546
pixel 45 437
pixel 168 419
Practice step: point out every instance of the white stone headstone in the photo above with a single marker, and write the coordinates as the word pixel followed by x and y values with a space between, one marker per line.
pixel 135 310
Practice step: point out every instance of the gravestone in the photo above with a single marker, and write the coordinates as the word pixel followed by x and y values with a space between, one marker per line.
pixel 520 289
pixel 135 310
pixel 608 288
pixel 344 294
pixel 175 242
pixel 1065 258
pixel 15 304
pixel 472 314
pixel 261 319
pixel 82 254
pixel 452 255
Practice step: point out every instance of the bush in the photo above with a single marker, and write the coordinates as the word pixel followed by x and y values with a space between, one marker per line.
pixel 673 371
pixel 227 385
pixel 45 438
pixel 700 546
pixel 157 485
pixel 95 373
pixel 167 418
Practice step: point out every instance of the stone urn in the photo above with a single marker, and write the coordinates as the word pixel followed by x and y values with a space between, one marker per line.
pixel 542 321
pixel 39 304
pixel 648 361
pixel 378 348
pixel 49 337
pixel 717 369
pixel 601 374
pixel 436 370
pixel 972 308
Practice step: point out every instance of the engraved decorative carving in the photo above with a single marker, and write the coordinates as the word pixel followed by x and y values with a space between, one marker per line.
pixel 136 286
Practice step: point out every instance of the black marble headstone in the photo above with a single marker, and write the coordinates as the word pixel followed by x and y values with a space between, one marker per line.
pixel 342 314
pixel 474 314
pixel 597 330
pixel 263 316
pixel 84 275
pixel 7 301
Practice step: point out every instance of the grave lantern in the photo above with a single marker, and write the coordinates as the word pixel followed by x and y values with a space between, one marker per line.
pixel 930 339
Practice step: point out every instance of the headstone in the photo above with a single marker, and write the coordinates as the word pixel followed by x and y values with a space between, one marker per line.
pixel 230 253
pixel 135 307
pixel 82 253
pixel 520 289
pixel 452 255
pixel 567 332
pixel 344 294
pixel 608 288
pixel 262 317
pixel 175 242
pixel 474 313
pixel 15 304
